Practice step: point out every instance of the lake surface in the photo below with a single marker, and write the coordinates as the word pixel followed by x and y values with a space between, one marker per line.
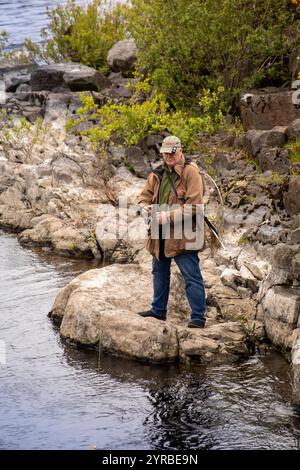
pixel 25 18
pixel 56 397
pixel 53 396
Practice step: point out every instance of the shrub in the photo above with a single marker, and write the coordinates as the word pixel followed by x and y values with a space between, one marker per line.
pixel 3 41
pixel 134 120
pixel 294 151
pixel 20 137
pixel 188 46
pixel 80 33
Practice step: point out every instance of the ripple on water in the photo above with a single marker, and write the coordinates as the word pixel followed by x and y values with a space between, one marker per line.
pixel 57 397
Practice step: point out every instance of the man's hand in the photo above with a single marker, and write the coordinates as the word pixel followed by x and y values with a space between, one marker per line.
pixel 161 217
pixel 148 209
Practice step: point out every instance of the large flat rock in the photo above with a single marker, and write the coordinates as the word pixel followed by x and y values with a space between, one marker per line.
pixel 99 309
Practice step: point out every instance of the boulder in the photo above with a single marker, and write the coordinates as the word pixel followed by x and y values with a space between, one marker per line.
pixel 231 278
pixel 122 56
pixel 15 78
pixel 229 303
pixel 120 233
pixel 120 88
pixel 137 161
pixel 295 236
pixel 263 109
pixel 257 140
pixel 296 266
pixel 274 159
pixel 283 255
pixel 66 171
pixel 281 314
pixel 99 309
pixel 75 77
pixel 51 231
pixel 269 234
pixel 293 130
pixel 124 185
pixel 220 343
pixel 291 198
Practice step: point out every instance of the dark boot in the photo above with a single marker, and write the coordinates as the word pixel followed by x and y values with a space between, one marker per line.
pixel 150 313
pixel 196 324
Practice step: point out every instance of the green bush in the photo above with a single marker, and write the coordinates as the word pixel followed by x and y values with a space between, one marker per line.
pixel 3 41
pixel 134 120
pixel 80 33
pixel 294 151
pixel 188 46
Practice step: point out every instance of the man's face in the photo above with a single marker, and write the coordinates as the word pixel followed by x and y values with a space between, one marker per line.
pixel 171 159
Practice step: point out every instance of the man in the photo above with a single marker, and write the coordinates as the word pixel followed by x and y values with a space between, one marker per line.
pixel 176 189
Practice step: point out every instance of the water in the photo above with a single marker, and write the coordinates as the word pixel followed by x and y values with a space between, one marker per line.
pixel 24 18
pixel 56 397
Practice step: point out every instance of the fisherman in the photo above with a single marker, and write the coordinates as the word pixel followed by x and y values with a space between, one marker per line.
pixel 172 194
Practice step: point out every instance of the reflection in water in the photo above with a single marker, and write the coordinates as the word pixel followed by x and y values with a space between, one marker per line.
pixel 57 397
pixel 24 19
pixel 227 407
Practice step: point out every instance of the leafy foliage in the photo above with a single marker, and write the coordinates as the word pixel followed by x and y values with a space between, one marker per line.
pixel 134 120
pixel 80 33
pixel 294 151
pixel 188 46
pixel 3 41
pixel 20 137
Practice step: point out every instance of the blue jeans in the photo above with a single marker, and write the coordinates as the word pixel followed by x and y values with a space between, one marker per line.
pixel 188 263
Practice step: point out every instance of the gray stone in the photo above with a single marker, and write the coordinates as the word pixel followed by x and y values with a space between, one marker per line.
pixel 283 255
pixel 279 333
pixel 232 278
pixel 222 161
pixel 275 159
pixel 56 111
pixel 249 280
pixel 66 171
pixel 269 234
pixel 263 109
pixel 23 92
pixel 295 236
pixel 283 304
pixel 119 88
pixel 137 161
pixel 76 77
pixel 99 308
pixel 122 56
pixel 296 266
pixel 256 269
pixel 117 153
pixel 291 198
pixel 293 130
pixel 31 113
pixel 257 140
pixel 15 78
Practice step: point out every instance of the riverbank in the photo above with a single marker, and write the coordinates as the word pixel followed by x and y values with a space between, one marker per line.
pixel 48 387
pixel 58 193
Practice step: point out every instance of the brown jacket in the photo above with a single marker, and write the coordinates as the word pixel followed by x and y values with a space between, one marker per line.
pixel 189 187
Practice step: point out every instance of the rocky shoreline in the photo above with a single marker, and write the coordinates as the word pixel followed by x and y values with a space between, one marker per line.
pixel 55 192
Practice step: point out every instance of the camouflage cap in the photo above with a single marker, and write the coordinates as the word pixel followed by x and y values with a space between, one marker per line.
pixel 170 144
